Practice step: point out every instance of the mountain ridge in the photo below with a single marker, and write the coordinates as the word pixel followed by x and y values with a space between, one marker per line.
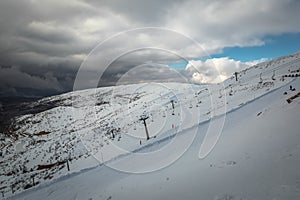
pixel 80 128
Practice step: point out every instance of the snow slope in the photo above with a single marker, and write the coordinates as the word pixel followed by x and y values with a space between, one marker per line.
pixel 256 157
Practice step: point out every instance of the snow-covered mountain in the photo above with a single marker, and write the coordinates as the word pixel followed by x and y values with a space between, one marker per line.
pixel 242 127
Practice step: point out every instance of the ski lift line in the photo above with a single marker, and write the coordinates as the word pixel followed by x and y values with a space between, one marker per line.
pixel 258 76
pixel 288 63
pixel 273 69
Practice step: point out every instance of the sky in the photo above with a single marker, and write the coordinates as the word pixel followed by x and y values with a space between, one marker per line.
pixel 49 47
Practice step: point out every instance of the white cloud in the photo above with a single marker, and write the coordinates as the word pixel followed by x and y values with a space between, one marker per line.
pixel 13 77
pixel 213 70
pixel 69 28
pixel 225 23
pixel 255 62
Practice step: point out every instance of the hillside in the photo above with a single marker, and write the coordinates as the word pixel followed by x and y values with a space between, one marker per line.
pixel 235 128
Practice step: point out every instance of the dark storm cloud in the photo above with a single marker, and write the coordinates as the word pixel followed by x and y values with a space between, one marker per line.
pixel 40 39
pixel 151 73
pixel 146 64
pixel 12 78
pixel 143 12
pixel 48 40
pixel 41 33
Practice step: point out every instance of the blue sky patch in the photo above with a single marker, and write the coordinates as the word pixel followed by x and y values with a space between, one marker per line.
pixel 275 46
